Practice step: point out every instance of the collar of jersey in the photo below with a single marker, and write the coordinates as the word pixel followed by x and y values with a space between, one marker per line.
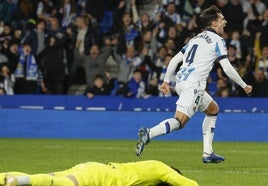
pixel 211 30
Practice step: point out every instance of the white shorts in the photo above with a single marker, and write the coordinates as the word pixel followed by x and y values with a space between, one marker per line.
pixel 192 98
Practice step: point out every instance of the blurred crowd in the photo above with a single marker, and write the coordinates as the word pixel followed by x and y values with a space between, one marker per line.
pixel 116 47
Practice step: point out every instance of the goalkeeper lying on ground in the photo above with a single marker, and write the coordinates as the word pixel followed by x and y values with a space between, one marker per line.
pixel 142 173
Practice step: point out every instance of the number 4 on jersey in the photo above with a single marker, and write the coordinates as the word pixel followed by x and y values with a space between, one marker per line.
pixel 191 54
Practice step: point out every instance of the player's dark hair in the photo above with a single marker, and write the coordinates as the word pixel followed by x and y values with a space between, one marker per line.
pixel 166 184
pixel 209 15
pixel 163 184
pixel 177 170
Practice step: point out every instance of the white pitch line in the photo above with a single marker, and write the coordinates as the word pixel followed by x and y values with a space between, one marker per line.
pixel 230 172
pixel 88 148
pixel 162 149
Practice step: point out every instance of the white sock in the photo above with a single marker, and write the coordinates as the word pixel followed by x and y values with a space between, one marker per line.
pixel 23 180
pixel 164 127
pixel 208 128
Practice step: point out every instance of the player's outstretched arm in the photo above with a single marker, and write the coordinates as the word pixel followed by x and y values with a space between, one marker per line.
pixel 233 75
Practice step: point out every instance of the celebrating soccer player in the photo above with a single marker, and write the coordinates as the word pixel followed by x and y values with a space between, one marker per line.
pixel 197 57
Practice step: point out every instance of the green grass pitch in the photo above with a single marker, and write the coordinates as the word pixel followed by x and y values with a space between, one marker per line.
pixel 246 163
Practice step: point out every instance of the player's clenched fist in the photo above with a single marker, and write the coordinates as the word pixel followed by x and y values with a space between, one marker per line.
pixel 164 88
pixel 248 89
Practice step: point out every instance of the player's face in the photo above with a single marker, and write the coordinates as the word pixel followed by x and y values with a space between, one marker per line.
pixel 220 24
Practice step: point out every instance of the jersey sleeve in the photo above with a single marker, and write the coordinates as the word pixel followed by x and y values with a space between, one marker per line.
pixel 220 49
pixel 231 72
pixel 172 66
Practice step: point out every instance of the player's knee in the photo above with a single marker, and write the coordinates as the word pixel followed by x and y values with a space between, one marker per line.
pixel 213 109
pixel 181 124
pixel 182 119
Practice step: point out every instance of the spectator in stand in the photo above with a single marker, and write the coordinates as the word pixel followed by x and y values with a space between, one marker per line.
pixel 158 61
pixel 17 36
pixel 223 89
pixel 53 65
pixel 135 87
pixel 148 42
pixel 237 41
pixel 70 44
pixel 55 28
pixel 145 23
pixel 100 87
pixel 162 23
pixel 96 60
pixel 30 35
pixel 7 80
pixel 173 34
pixel 161 71
pixel 160 57
pixel 199 7
pixel 170 46
pixel 128 62
pixel 6 36
pixel 264 29
pixel 172 14
pixel 254 10
pixel 67 12
pixel 83 38
pixel 178 5
pixel 234 15
pixel 24 11
pixel 5 11
pixel 41 35
pixel 128 32
pixel 86 36
pixel 12 53
pixel 259 84
pixel 45 10
pixel 28 76
pixel 234 56
pixel 255 26
pixel 263 62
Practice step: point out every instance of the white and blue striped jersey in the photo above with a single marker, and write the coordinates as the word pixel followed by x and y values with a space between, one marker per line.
pixel 199 55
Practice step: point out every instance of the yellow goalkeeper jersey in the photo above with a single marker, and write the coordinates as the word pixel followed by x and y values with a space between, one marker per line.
pixel 141 173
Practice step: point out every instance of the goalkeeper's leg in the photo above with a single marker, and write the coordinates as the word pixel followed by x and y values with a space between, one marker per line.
pixel 41 180
pixel 4 174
